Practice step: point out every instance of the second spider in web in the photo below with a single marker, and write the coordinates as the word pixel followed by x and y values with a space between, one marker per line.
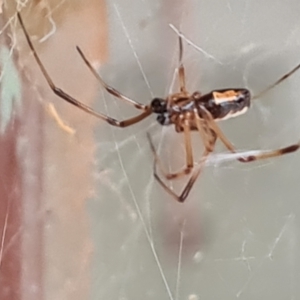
pixel 186 112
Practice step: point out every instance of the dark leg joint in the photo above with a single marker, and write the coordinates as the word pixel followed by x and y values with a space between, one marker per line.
pixel 57 91
pixel 175 175
pixel 172 176
pixel 181 199
pixel 289 149
pixel 113 91
pixel 184 195
pixel 188 170
pixel 114 122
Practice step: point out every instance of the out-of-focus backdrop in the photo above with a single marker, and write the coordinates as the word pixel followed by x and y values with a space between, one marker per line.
pixel 81 215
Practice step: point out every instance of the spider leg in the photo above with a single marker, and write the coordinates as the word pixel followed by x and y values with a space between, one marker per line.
pixel 181 70
pixel 188 152
pixel 249 158
pixel 281 79
pixel 186 190
pixel 204 130
pixel 270 153
pixel 181 198
pixel 217 130
pixel 211 140
pixel 214 126
pixel 60 93
pixel 108 88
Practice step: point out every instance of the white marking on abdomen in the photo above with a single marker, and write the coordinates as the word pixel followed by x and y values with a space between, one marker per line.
pixel 233 114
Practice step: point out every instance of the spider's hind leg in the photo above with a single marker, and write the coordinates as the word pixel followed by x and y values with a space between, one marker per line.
pixel 186 190
pixel 181 70
pixel 270 153
pixel 189 157
pixel 245 159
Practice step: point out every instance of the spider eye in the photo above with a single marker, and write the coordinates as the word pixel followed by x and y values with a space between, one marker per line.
pixel 158 105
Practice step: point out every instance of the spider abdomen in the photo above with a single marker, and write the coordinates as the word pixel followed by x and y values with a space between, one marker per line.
pixel 225 104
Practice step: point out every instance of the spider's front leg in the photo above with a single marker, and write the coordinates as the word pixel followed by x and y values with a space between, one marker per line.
pixel 65 96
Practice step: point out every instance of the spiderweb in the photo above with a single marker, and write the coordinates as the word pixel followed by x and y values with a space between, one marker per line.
pixel 109 230
pixel 236 234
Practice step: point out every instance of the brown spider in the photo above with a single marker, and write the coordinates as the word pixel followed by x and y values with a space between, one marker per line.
pixel 187 112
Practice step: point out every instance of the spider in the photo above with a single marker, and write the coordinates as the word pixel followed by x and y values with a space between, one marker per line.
pixel 186 111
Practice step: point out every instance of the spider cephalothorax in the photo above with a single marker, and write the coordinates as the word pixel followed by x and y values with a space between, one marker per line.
pixel 159 107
